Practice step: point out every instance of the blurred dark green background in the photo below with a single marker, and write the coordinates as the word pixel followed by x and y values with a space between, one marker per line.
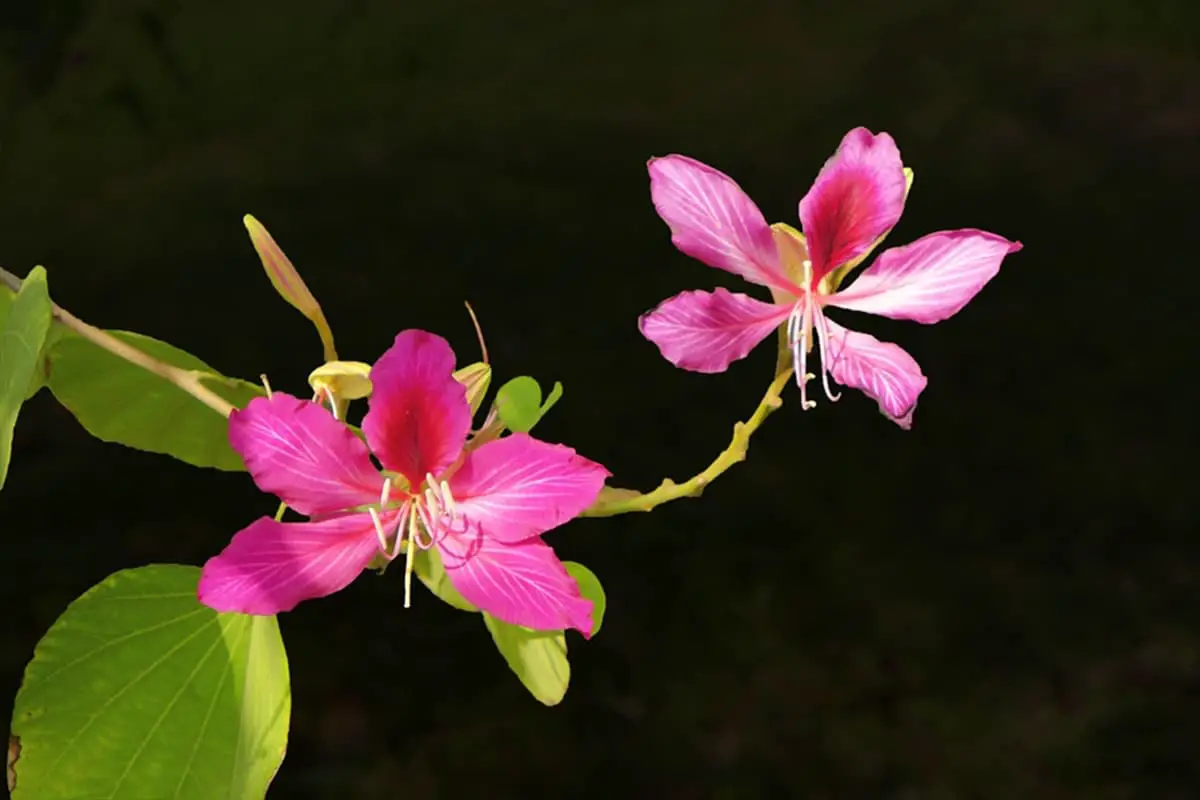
pixel 1001 603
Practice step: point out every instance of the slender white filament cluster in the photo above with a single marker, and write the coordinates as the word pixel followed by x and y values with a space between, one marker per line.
pixel 800 326
pixel 424 519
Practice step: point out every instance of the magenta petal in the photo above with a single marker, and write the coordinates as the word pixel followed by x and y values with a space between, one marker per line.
pixel 930 279
pixel 522 584
pixel 713 221
pixel 295 450
pixel 271 566
pixel 519 487
pixel 708 331
pixel 883 371
pixel 857 198
pixel 418 416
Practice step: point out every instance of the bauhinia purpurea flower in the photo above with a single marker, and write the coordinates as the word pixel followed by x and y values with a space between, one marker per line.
pixel 482 506
pixel 857 198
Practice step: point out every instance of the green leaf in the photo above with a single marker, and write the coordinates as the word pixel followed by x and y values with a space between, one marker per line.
pixel 519 403
pixel 427 564
pixel 589 587
pixel 119 402
pixel 138 691
pixel 539 658
pixel 556 393
pixel 24 330
pixel 41 375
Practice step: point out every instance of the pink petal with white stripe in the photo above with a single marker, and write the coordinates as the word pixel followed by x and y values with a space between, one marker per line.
pixel 930 279
pixel 519 487
pixel 522 584
pixel 857 198
pixel 271 566
pixel 712 220
pixel 883 371
pixel 708 331
pixel 295 450
pixel 418 415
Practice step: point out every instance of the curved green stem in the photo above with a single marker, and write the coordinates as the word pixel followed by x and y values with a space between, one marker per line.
pixel 187 380
pixel 614 501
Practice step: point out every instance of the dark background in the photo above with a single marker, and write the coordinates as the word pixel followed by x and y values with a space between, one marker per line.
pixel 1001 603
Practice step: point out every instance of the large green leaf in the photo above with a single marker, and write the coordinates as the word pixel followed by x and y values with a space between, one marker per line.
pixel 140 692
pixel 539 658
pixel 519 403
pixel 119 402
pixel 589 587
pixel 25 325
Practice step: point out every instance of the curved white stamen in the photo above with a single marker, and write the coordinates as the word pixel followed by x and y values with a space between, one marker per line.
pixel 793 338
pixel 823 346
pixel 266 384
pixel 799 328
pixel 379 534
pixel 448 500
pixel 387 490
pixel 428 523
pixel 433 513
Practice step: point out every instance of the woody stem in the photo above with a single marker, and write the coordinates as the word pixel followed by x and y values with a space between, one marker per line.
pixel 187 380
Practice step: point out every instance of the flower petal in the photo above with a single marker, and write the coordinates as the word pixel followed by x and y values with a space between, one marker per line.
pixel 521 584
pixel 519 487
pixel 271 566
pixel 713 221
pixel 857 197
pixel 418 416
pixel 708 331
pixel 883 371
pixel 930 279
pixel 295 450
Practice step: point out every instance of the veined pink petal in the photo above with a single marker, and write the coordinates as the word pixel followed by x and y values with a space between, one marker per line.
pixel 713 221
pixel 295 450
pixel 418 416
pixel 519 487
pixel 857 197
pixel 930 279
pixel 883 371
pixel 522 584
pixel 708 331
pixel 271 566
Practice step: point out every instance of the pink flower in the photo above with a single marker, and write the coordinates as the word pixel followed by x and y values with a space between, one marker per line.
pixel 484 508
pixel 857 198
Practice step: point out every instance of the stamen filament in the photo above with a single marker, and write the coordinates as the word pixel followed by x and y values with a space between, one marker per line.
pixel 448 500
pixel 408 560
pixel 822 340
pixel 800 327
pixel 383 548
